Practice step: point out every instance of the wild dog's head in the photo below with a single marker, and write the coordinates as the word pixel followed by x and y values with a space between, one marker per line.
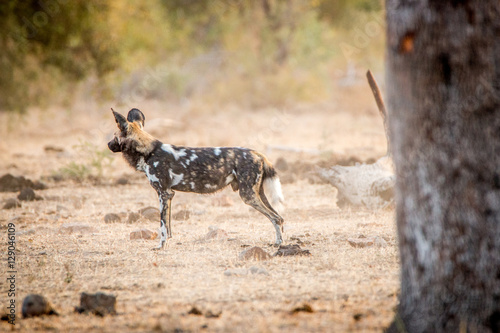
pixel 131 138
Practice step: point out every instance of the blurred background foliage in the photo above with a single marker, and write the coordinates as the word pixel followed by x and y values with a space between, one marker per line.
pixel 247 52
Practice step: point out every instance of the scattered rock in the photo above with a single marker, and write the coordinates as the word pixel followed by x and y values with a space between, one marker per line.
pixel 133 217
pixel 10 183
pixel 209 314
pixel 287 178
pixel 181 215
pixel 61 208
pixel 99 304
pixel 297 240
pixel 236 272
pixel 27 194
pixel 222 201
pixel 380 242
pixel 151 213
pixel 215 233
pixel 291 250
pixel 78 201
pixel 143 234
pixel 36 305
pixel 122 181
pixel 21 218
pixel 112 217
pixel 4 316
pixel 361 242
pixel 53 149
pixel 11 203
pixel 25 232
pixel 358 316
pixel 254 270
pixel 368 185
pixel 255 253
pixel 195 311
pixel 56 177
pixel 258 270
pixel 304 308
pixel 75 227
pixel 281 164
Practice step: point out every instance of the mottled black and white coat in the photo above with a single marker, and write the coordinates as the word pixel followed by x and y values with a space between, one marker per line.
pixel 172 168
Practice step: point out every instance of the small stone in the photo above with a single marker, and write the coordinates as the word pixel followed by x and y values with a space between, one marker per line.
pixel 304 308
pixel 216 233
pixel 143 234
pixel 61 208
pixel 236 272
pixel 254 253
pixel 25 232
pixel 258 270
pixel 10 183
pixel 36 305
pixel 281 164
pixel 75 227
pixel 151 213
pixel 53 149
pixel 181 215
pixel 380 242
pixel 291 250
pixel 133 217
pixel 287 178
pixel 27 194
pixel 223 201
pixel 210 314
pixel 122 181
pixel 358 316
pixel 360 242
pixel 99 304
pixel 195 311
pixel 11 203
pixel 111 217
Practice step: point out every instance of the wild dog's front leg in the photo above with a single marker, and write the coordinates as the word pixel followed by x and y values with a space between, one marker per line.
pixel 165 198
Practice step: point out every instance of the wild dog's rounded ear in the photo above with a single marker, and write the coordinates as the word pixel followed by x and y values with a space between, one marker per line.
pixel 135 115
pixel 121 122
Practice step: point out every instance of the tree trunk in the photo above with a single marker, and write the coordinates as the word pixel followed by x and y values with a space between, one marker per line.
pixel 443 81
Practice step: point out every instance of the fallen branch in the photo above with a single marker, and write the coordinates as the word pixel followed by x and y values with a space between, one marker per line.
pixel 380 104
pixel 368 185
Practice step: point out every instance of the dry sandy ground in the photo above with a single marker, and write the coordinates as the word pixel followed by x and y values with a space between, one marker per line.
pixel 348 288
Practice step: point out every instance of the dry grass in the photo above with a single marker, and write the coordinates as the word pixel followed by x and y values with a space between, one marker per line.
pixel 349 289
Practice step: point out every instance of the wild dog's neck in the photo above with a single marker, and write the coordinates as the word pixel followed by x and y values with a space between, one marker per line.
pixel 138 157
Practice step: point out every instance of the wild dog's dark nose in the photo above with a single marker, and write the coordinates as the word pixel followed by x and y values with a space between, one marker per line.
pixel 114 146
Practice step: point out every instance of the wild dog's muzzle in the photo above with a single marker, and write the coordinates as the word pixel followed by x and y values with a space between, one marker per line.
pixel 114 145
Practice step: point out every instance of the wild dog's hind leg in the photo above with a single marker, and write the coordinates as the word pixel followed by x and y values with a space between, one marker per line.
pixel 263 197
pixel 165 198
pixel 250 194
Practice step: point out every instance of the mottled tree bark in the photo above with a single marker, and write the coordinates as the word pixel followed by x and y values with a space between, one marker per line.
pixel 443 89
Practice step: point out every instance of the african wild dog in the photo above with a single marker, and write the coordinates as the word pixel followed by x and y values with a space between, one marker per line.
pixel 171 168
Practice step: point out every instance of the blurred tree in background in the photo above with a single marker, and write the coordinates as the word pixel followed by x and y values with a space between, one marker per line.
pixel 265 52
pixel 70 37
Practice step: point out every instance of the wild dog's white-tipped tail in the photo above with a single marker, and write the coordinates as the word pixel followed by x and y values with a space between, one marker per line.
pixel 272 188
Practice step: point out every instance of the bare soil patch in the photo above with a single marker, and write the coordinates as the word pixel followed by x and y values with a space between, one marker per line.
pixel 338 287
